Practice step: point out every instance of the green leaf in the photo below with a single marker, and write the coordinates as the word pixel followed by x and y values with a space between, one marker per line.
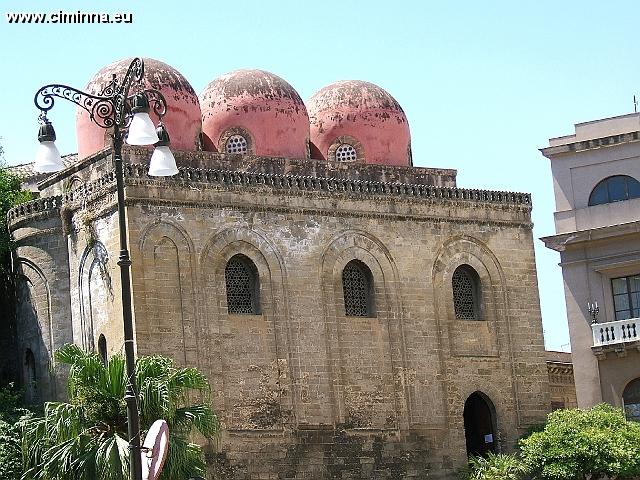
pixel 84 438
pixel 576 443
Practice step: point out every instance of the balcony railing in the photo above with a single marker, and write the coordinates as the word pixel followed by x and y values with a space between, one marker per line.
pixel 620 331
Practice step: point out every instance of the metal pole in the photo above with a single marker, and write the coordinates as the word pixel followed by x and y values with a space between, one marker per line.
pixel 111 110
pixel 131 394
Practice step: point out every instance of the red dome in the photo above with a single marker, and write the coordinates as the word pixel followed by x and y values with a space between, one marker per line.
pixel 362 120
pixel 258 109
pixel 183 118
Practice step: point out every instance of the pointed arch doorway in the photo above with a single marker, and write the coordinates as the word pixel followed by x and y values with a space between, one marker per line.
pixel 479 424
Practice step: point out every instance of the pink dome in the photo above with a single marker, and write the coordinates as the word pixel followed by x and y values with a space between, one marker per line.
pixel 259 109
pixel 183 118
pixel 361 115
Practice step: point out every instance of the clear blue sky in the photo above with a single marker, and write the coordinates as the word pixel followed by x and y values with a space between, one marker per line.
pixel 484 84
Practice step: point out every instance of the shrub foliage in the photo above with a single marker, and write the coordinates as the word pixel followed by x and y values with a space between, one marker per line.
pixel 579 444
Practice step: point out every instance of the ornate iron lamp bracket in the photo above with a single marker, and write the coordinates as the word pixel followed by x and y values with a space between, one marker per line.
pixel 112 106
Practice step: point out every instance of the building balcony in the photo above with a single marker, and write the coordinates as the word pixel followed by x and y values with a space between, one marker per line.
pixel 618 337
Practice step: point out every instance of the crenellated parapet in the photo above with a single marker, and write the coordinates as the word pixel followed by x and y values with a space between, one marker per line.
pixel 35 209
pixel 218 178
pixel 319 184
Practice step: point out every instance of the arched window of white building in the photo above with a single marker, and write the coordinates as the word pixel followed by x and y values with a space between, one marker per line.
pixel 631 400
pixel 614 189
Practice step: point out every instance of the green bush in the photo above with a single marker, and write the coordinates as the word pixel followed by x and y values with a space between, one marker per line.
pixel 10 451
pixel 11 414
pixel 86 438
pixel 579 444
pixel 11 194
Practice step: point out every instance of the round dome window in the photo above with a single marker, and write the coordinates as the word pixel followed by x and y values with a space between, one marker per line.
pixel 236 144
pixel 346 153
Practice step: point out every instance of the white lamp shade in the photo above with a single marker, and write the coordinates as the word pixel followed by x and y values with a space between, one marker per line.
pixel 48 158
pixel 142 131
pixel 163 163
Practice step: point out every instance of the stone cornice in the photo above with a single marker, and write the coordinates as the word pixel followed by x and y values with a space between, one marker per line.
pixel 295 183
pixel 39 208
pixel 190 178
pixel 562 241
pixel 559 368
pixel 34 232
pixel 590 144
pixel 325 212
pixel 75 167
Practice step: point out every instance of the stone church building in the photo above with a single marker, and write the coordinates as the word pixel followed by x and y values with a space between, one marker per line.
pixel 357 317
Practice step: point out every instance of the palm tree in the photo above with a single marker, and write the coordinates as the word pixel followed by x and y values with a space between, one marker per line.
pixel 86 438
pixel 494 466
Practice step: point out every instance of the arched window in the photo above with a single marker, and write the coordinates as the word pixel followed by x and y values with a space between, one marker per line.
pixel 243 286
pixel 346 153
pixel 466 293
pixel 631 400
pixel 357 287
pixel 346 149
pixel 102 348
pixel 236 144
pixel 615 189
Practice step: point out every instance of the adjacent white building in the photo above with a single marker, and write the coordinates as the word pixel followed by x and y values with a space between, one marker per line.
pixel 596 179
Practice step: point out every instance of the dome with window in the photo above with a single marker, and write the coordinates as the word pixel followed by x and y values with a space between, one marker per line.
pixel 183 118
pixel 254 112
pixel 356 121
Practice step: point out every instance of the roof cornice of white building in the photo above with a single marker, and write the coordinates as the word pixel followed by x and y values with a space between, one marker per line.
pixel 604 132
pixel 591 144
pixel 562 241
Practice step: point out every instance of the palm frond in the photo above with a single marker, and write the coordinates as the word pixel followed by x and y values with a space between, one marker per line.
pixel 201 417
pixel 112 459
pixel 70 354
pixel 184 460
pixel 84 439
pixel 116 378
pixel 64 420
pixel 155 401
pixel 188 379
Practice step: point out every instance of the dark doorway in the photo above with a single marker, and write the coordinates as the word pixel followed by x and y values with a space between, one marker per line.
pixel 479 425
pixel 102 349
pixel 30 378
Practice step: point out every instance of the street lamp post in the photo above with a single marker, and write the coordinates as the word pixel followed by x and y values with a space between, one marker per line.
pixel 594 311
pixel 115 108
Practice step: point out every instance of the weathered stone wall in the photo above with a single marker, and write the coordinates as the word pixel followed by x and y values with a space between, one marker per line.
pixel 43 316
pixel 304 391
pixel 95 277
pixel 562 387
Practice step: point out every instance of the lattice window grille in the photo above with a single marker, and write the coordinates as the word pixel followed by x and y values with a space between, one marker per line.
pixel 464 295
pixel 357 291
pixel 236 144
pixel 346 153
pixel 240 281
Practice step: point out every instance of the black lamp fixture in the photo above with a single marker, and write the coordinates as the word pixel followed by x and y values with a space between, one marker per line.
pixel 594 311
pixel 47 157
pixel 115 109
